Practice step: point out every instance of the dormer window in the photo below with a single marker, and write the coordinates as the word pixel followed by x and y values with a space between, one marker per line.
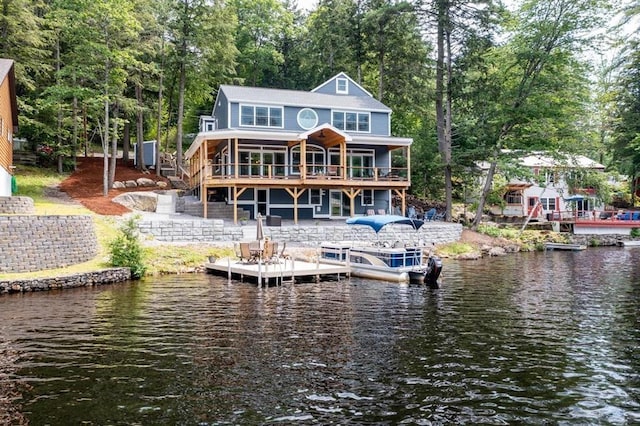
pixel 342 86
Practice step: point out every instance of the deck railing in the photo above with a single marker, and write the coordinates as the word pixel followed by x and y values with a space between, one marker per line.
pixel 287 171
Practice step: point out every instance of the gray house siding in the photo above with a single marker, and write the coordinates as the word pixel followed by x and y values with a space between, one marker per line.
pixel 220 111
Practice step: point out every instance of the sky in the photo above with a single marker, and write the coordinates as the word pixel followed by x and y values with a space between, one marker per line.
pixel 307 4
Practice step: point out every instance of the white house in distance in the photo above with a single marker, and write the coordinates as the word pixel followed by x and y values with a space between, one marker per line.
pixel 549 196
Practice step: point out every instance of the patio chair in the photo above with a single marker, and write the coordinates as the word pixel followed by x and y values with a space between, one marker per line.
pixel 382 211
pixel 371 212
pixel 245 253
pixel 430 214
pixel 440 216
pixel 267 253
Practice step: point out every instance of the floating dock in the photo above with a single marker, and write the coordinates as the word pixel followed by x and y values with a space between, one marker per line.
pixel 275 273
pixel 563 246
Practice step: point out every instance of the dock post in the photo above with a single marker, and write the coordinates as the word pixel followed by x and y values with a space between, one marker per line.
pixel 259 274
pixel 229 268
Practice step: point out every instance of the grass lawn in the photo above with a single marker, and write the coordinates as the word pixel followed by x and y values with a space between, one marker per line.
pixel 160 259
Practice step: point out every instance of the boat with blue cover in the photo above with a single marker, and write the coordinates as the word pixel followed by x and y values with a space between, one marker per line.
pixel 383 260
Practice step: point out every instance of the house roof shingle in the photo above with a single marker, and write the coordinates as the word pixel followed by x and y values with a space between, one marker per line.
pixel 301 98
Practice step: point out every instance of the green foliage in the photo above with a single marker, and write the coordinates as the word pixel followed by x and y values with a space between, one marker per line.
pixel 455 249
pixel 126 250
pixel 635 232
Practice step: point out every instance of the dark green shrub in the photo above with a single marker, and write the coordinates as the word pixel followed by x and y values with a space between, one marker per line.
pixel 126 250
pixel 635 232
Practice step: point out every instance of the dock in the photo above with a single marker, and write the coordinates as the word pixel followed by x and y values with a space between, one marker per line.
pixel 564 246
pixel 275 273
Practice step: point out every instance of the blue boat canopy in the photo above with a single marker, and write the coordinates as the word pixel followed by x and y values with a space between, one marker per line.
pixel 377 222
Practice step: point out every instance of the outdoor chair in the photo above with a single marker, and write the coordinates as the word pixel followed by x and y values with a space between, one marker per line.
pixel 371 212
pixel 382 211
pixel 440 216
pixel 245 253
pixel 430 214
pixel 267 253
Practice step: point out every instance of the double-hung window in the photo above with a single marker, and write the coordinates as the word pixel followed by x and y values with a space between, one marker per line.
pixel 260 116
pixel 548 203
pixel 351 121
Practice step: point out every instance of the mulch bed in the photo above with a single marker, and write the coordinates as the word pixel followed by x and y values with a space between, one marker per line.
pixel 85 185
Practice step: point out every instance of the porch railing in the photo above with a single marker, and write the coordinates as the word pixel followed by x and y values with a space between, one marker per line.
pixel 287 171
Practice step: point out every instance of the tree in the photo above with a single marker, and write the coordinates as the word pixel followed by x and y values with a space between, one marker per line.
pixel 547 37
pixel 201 34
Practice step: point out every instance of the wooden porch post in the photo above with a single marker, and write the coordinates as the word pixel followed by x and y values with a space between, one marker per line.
pixel 203 186
pixel 352 194
pixel 235 157
pixel 402 196
pixel 295 194
pixel 303 159
pixel 236 194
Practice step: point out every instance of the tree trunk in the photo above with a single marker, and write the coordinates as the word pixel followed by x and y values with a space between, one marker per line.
pixel 105 147
pixel 159 129
pixel 114 148
pixel 126 141
pixel 443 113
pixel 180 119
pixel 140 130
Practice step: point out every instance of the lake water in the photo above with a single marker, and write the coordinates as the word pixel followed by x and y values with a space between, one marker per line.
pixel 532 338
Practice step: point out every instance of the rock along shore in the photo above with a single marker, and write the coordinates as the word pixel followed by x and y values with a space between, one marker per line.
pixel 84 279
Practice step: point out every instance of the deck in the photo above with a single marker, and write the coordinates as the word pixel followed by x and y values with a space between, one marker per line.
pixel 275 273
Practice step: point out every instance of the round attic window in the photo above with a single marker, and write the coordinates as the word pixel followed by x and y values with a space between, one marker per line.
pixel 307 118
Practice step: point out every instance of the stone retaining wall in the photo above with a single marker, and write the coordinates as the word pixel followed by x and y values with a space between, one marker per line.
pixel 105 276
pixel 305 235
pixel 189 230
pixel 16 205
pixel 599 240
pixel 34 243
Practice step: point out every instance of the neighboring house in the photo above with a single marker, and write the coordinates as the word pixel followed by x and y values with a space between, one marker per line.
pixel 326 153
pixel 8 124
pixel 549 196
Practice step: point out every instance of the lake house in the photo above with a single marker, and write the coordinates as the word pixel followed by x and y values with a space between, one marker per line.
pixel 323 154
pixel 547 195
pixel 8 123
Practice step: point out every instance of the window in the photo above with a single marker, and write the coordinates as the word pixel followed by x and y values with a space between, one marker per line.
pixel 548 203
pixel 262 162
pixel 260 116
pixel 351 121
pixel 360 163
pixel 315 197
pixel 367 197
pixel 513 197
pixel 342 85
pixel 314 159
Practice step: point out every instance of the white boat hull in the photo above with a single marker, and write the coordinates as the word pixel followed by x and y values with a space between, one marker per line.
pixel 388 264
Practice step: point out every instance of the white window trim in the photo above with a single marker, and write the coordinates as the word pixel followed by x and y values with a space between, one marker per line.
pixel 298 118
pixel 319 195
pixel 269 108
pixel 346 86
pixel 372 199
pixel 344 113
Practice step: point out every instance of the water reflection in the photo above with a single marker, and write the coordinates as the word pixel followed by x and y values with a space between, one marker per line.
pixel 528 338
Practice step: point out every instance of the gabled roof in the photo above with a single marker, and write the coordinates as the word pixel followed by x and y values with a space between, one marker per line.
pixel 299 98
pixel 539 159
pixel 546 160
pixel 7 72
pixel 341 75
